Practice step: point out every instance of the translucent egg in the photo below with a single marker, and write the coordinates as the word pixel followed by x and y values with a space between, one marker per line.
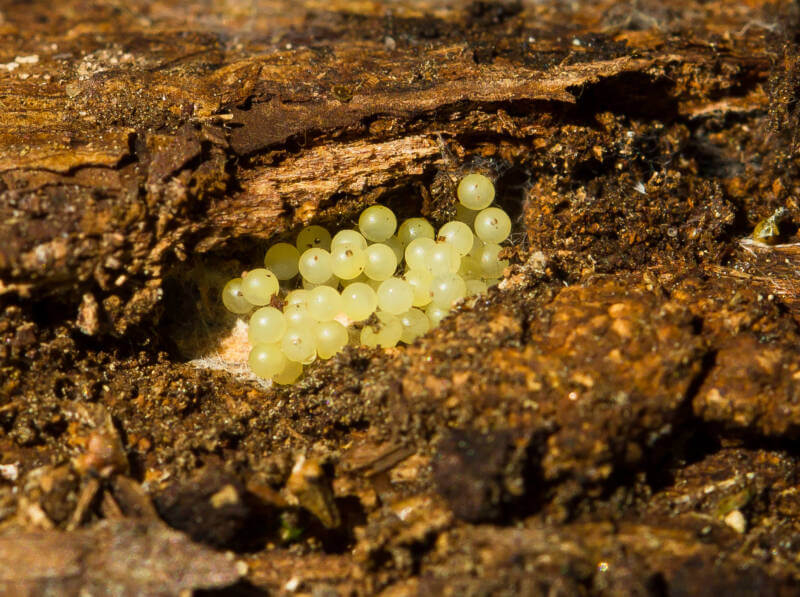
pixel 298 315
pixel 420 280
pixel 289 374
pixel 281 260
pixel 436 314
pixel 316 266
pixel 470 268
pixel 359 278
pixel 298 344
pixel 348 261
pixel 385 333
pixel 313 237
pixel 417 252
pixel 458 235
pixel 233 297
pixel 491 264
pixel 266 326
pixel 414 228
pixel 259 285
pixel 381 262
pixel 465 215
pixel 475 286
pixel 331 337
pixel 324 303
pixel 397 247
pixel 297 297
pixel 377 223
pixel 443 259
pixel 415 324
pixel 266 360
pixel 492 225
pixel 349 237
pixel 333 282
pixel 475 191
pixel 477 247
pixel 359 301
pixel 395 296
pixel 447 289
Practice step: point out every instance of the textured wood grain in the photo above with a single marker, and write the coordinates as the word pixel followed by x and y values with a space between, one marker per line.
pixel 619 416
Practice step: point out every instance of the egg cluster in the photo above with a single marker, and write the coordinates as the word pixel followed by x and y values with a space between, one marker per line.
pixel 408 277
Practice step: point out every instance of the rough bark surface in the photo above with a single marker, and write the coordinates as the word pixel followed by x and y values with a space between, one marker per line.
pixel 619 417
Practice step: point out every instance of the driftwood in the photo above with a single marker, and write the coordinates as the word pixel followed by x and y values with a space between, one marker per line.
pixel 620 416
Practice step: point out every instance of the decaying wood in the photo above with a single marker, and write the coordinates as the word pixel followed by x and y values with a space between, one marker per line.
pixel 619 416
pixel 120 558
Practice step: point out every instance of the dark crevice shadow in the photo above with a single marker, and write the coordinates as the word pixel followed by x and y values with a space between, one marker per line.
pixel 691 440
pixel 636 95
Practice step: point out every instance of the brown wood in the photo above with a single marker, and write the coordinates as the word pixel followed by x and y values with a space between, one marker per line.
pixel 601 424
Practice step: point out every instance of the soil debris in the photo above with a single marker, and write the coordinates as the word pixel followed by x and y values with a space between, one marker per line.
pixel 618 416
